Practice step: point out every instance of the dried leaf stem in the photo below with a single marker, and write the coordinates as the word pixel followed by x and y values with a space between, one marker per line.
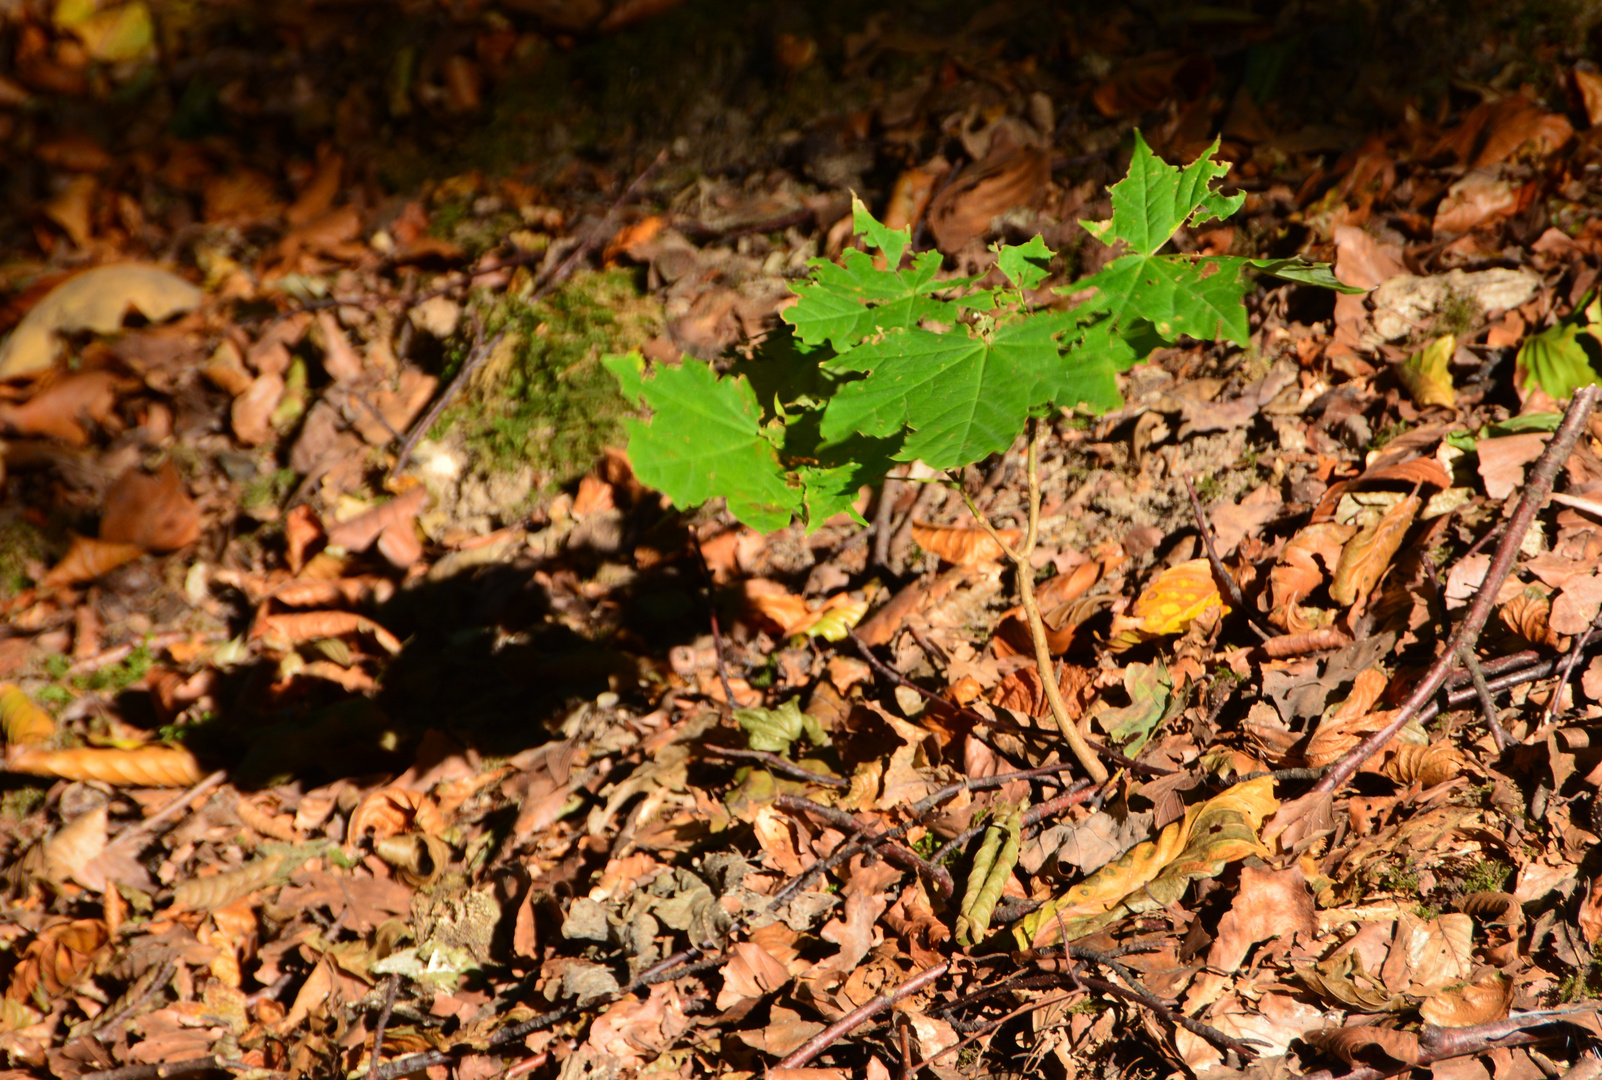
pixel 1536 490
pixel 829 1035
pixel 1221 574
pixel 1483 692
pixel 1026 598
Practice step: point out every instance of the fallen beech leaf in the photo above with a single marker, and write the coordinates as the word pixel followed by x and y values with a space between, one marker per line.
pixel 95 300
pixel 23 722
pixel 1172 601
pixel 1589 916
pixel 88 559
pixel 295 628
pixel 1588 84
pixel 1465 1004
pixel 1430 765
pixel 1426 375
pixel 1381 1048
pixel 419 858
pixel 830 620
pixel 1493 907
pixel 359 532
pixel 1008 176
pixel 1367 556
pixel 1473 200
pixel 145 766
pixel 1298 573
pixel 1156 873
pixel 73 847
pixel 251 412
pixel 57 959
pixel 392 811
pixel 1529 616
pixel 963 546
pixel 220 890
pixel 65 408
pixel 155 513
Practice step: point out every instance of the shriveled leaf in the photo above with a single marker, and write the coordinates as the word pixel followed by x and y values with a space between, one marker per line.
pixel 774 730
pixel 1156 873
pixel 88 559
pixel 992 867
pixel 95 300
pixel 145 766
pixel 963 546
pixel 1465 1004
pixel 1381 1048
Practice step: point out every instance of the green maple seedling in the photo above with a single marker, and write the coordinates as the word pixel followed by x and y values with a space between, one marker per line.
pixel 887 363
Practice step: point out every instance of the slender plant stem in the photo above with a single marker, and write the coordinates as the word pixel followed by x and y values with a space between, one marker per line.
pixel 1483 692
pixel 1536 490
pixel 1037 626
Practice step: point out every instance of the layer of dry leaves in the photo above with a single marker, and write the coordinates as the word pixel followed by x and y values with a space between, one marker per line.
pixel 360 764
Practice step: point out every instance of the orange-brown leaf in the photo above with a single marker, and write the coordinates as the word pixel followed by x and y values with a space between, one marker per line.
pixel 144 766
pixel 65 408
pixel 24 723
pixel 392 811
pixel 1382 1048
pixel 963 546
pixel 1367 556
pixel 87 559
pixel 1172 601
pixel 57 959
pixel 294 628
pixel 154 512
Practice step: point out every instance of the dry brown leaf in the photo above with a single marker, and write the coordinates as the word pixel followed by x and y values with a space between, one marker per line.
pixel 1588 87
pixel 317 197
pixel 1381 1048
pixel 1589 916
pixel 155 513
pixel 1269 904
pixel 1477 198
pixel 220 890
pixel 272 825
pixel 73 847
pixel 419 858
pixel 1429 766
pixel 1008 176
pixel 24 723
pixel 963 546
pixel 1298 572
pixel 95 300
pixel 66 408
pixel 88 559
pixel 287 630
pixel 1529 616
pixel 144 766
pixel 392 811
pixel 1493 907
pixel 359 532
pixel 57 959
pixel 1465 1004
pixel 1367 556
pixel 250 415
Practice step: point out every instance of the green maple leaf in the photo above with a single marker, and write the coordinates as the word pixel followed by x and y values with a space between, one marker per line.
pixel 704 440
pixel 845 303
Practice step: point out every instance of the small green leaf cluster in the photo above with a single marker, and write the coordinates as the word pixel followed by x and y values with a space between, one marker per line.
pixel 888 362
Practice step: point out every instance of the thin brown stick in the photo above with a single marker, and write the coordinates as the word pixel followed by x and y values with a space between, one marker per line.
pixel 159 1070
pixel 1483 692
pixel 1442 1044
pixel 774 763
pixel 986 1029
pixel 168 812
pixel 391 986
pixel 712 620
pixel 844 1026
pixel 1037 626
pixel 1567 670
pixel 1537 488
pixel 893 853
pixel 1221 574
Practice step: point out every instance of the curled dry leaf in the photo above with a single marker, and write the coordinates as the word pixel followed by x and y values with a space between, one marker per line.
pixel 1429 766
pixel 285 631
pixel 220 890
pixel 962 546
pixel 1367 556
pixel 271 825
pixel 73 847
pixel 88 559
pixel 145 766
pixel 1172 601
pixel 95 300
pixel 155 513
pixel 24 723
pixel 1493 907
pixel 1381 1048
pixel 793 615
pixel 57 959
pixel 251 412
pixel 420 858
pixel 392 811
pixel 1529 616
pixel 1298 573
pixel 1009 175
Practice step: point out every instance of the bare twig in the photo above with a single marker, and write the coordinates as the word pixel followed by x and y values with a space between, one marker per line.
pixel 390 987
pixel 1037 627
pixel 775 763
pixel 1221 574
pixel 1567 670
pixel 842 1027
pixel 894 853
pixel 481 352
pixel 168 812
pixel 159 1070
pixel 1442 1044
pixel 712 619
pixel 1537 488
pixel 1483 692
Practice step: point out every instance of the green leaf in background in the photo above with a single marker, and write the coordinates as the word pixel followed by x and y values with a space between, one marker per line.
pixel 704 440
pixel 1300 271
pixel 1556 361
pixel 773 730
pixel 1427 376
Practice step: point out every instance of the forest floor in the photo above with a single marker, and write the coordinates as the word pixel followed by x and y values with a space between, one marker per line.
pixel 364 715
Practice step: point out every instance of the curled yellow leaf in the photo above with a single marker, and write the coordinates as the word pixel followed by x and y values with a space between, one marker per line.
pixel 1172 601
pixel 24 723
